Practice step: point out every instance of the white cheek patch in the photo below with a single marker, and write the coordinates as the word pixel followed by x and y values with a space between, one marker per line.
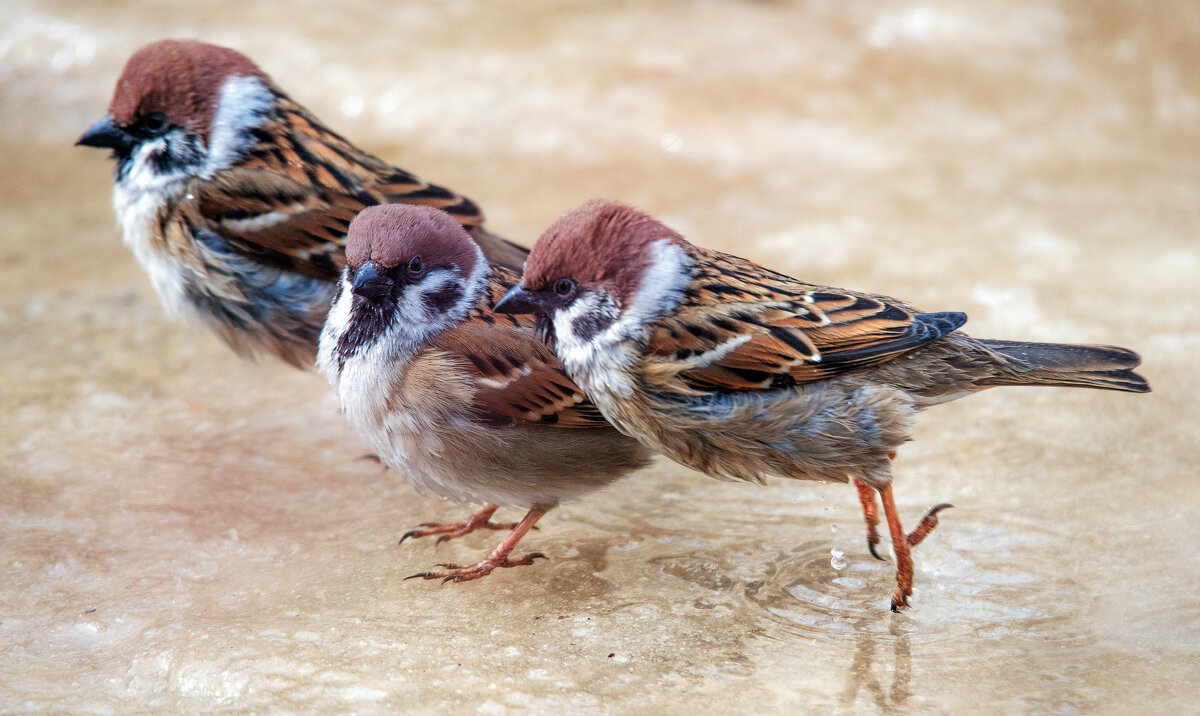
pixel 144 176
pixel 663 285
pixel 598 362
pixel 667 276
pixel 244 103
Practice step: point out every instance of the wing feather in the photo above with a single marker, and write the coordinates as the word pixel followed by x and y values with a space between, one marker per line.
pixel 291 201
pixel 518 379
pixel 742 327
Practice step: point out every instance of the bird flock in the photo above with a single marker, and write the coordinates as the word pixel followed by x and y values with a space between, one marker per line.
pixel 493 375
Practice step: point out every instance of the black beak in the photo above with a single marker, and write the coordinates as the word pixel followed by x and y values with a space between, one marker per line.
pixel 105 134
pixel 370 283
pixel 518 300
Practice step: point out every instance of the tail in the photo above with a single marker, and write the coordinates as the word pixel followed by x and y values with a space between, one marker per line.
pixel 1106 367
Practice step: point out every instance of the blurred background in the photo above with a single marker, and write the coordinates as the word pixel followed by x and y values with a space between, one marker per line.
pixel 186 532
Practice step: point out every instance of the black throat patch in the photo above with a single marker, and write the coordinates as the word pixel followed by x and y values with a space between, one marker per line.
pixel 368 320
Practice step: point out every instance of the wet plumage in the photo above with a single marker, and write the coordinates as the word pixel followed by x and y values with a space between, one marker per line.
pixel 236 199
pixel 742 372
pixel 463 403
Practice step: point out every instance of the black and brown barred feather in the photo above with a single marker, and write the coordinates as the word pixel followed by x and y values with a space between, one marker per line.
pixel 743 327
pixel 518 379
pixel 291 200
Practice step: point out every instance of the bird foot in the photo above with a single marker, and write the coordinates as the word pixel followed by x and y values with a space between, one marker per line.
pixel 452 530
pixel 497 558
pixel 866 495
pixel 481 520
pixel 902 544
pixel 482 568
pixel 928 522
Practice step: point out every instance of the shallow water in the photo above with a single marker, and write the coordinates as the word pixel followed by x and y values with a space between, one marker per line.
pixel 186 532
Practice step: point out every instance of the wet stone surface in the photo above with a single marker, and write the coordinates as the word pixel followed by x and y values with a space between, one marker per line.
pixel 185 532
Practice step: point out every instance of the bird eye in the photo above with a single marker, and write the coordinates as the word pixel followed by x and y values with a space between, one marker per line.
pixel 415 265
pixel 153 124
pixel 564 287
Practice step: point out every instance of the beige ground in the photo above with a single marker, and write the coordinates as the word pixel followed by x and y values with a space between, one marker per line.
pixel 184 532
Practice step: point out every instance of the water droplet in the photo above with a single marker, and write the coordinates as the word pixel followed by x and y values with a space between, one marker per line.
pixel 837 559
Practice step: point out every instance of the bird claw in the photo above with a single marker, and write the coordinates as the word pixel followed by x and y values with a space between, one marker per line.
pixel 480 520
pixel 463 573
pixel 928 522
pixel 866 495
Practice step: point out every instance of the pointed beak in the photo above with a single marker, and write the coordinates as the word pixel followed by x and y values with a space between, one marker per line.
pixel 105 134
pixel 518 300
pixel 370 282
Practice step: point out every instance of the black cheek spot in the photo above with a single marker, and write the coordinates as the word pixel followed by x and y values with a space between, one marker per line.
pixel 162 162
pixel 588 325
pixel 444 298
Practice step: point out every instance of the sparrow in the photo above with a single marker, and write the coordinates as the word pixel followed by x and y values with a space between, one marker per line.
pixel 466 404
pixel 235 199
pixel 741 372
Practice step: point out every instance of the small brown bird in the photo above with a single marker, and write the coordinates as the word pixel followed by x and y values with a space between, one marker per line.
pixel 235 199
pixel 741 372
pixel 467 404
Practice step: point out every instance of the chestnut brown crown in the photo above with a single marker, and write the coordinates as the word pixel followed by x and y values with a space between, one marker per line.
pixel 182 79
pixel 601 244
pixel 392 234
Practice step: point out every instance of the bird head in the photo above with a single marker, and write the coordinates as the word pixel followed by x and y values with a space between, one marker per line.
pixel 599 275
pixel 411 272
pixel 183 108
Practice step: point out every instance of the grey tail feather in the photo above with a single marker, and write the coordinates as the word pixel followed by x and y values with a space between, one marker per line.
pixel 1106 367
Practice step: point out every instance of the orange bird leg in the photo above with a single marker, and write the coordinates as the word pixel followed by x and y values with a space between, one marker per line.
pixel 928 522
pixel 866 495
pixel 480 520
pixel 498 557
pixel 902 544
pixel 904 563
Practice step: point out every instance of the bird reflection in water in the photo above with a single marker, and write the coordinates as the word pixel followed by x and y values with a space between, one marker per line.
pixel 862 676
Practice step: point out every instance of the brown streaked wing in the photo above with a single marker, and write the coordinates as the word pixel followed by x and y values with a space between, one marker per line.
pixel 745 328
pixel 518 379
pixel 346 167
pixel 291 201
pixel 262 213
